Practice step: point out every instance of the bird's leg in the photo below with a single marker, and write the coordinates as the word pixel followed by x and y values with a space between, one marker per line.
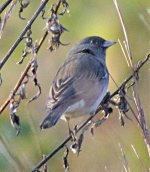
pixel 71 132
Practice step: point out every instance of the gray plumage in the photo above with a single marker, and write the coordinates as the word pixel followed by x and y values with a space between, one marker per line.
pixel 80 83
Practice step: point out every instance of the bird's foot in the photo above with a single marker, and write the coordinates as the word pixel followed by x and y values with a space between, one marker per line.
pixel 73 133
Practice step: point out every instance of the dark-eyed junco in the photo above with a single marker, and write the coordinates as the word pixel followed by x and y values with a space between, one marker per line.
pixel 80 83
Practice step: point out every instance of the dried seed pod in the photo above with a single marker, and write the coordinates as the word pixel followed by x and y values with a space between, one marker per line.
pixel 34 66
pixel 24 55
pixel 22 7
pixel 80 141
pixel 77 143
pixel 22 91
pixel 29 47
pixel 37 94
pixel 74 147
pixel 15 121
pixel 65 6
pixel 123 104
pixel 65 159
pixel 56 30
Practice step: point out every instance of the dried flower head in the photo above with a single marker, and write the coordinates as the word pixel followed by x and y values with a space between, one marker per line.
pixel 56 30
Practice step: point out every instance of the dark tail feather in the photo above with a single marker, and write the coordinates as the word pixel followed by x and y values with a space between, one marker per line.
pixel 52 118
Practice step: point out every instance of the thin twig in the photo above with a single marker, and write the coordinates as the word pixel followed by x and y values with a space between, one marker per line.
pixel 23 75
pixel 124 159
pixel 2 8
pixel 131 76
pixel 6 17
pixel 57 7
pixel 29 24
pixel 130 107
pixel 124 30
pixel 123 51
pixel 57 149
pixel 6 103
pixel 49 156
pixel 135 86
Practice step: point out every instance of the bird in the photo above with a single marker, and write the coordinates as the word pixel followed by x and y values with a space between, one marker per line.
pixel 80 83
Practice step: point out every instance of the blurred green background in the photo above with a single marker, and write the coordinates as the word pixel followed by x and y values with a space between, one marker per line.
pixel 101 151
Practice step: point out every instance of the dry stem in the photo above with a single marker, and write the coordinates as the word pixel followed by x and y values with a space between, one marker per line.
pixel 2 8
pixel 102 120
pixel 136 96
pixel 29 24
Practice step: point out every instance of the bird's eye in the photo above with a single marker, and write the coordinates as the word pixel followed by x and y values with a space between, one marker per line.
pixel 94 42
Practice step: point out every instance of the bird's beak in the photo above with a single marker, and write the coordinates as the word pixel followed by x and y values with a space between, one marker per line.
pixel 107 44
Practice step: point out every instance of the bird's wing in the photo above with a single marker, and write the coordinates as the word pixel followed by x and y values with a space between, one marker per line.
pixel 76 78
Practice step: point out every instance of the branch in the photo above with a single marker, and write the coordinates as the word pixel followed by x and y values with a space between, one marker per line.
pixel 102 120
pixel 124 31
pixel 136 96
pixel 54 40
pixel 29 24
pixel 23 75
pixel 131 76
pixel 49 156
pixel 2 8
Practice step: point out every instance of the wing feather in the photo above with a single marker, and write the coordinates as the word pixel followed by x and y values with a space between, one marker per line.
pixel 82 67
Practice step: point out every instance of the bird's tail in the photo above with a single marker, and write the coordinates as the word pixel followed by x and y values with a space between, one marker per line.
pixel 52 118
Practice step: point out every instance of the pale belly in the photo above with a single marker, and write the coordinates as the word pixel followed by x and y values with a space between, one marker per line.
pixel 83 107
